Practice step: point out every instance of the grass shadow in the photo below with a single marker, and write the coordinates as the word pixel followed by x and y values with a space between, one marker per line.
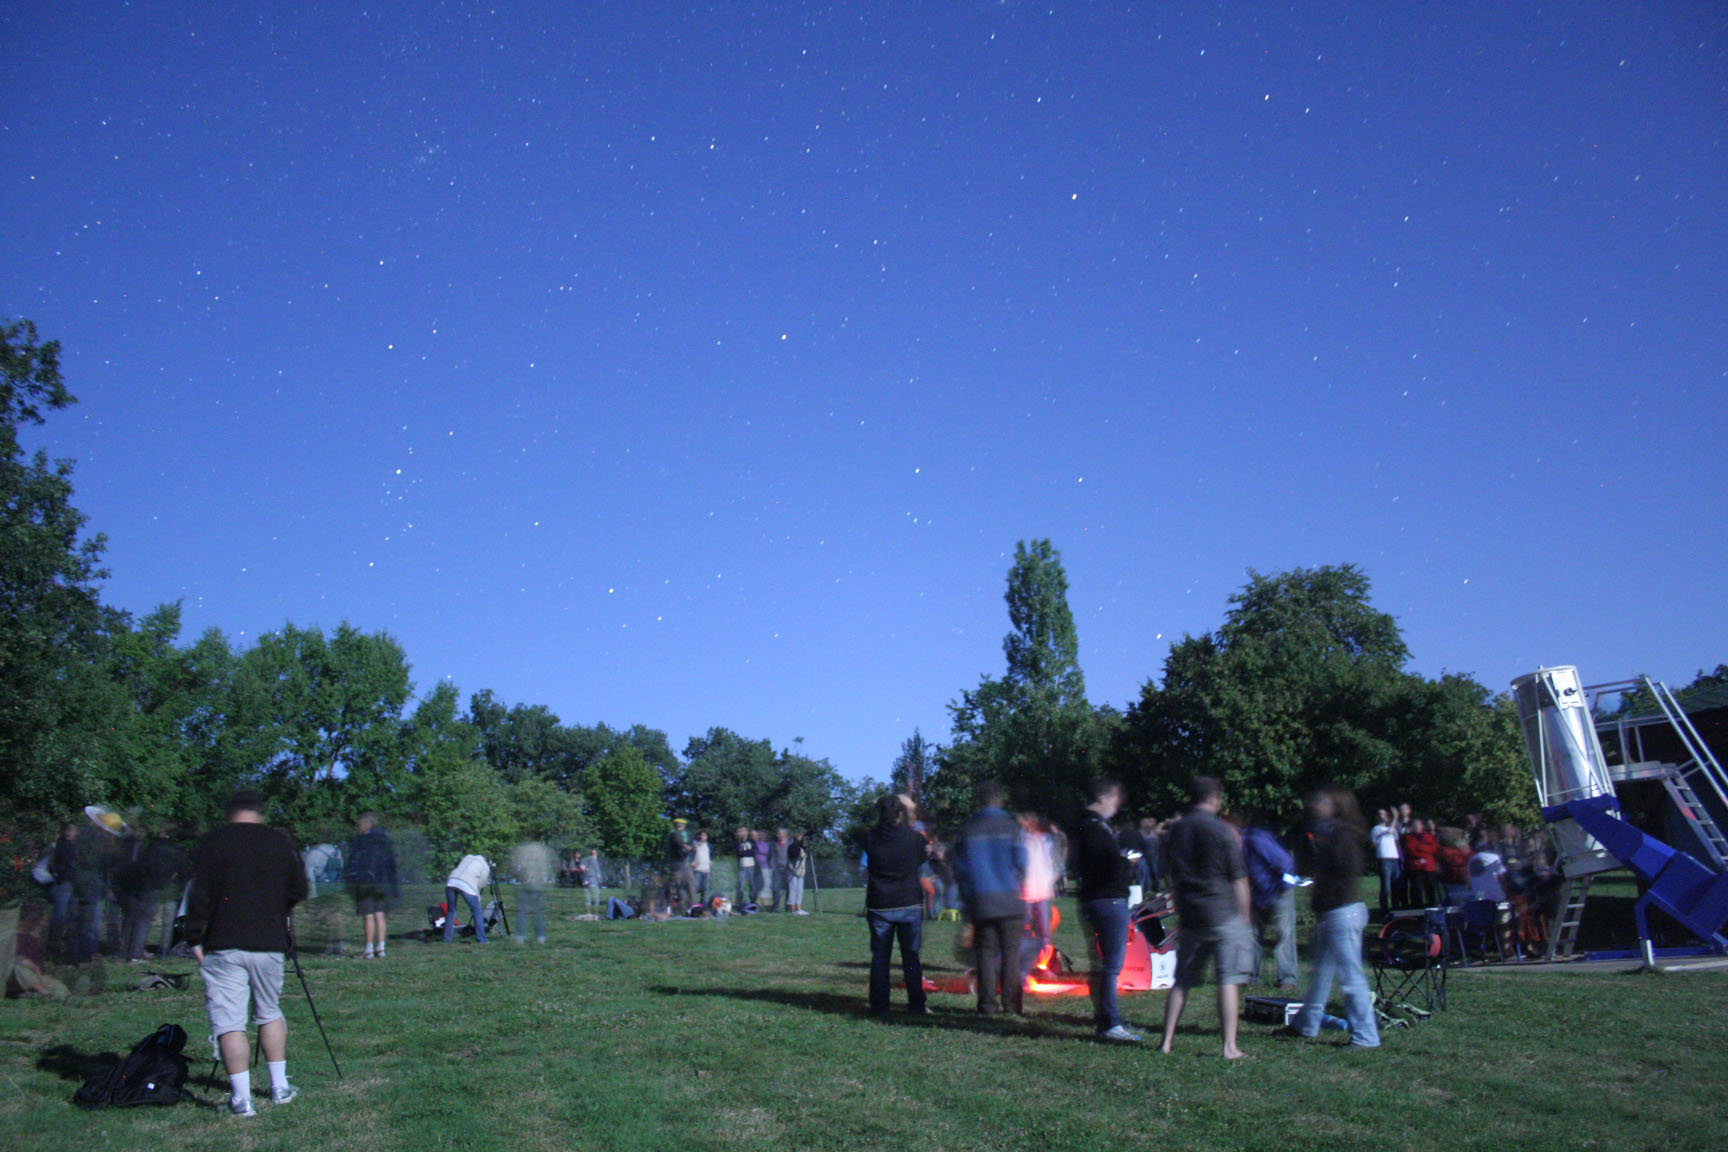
pixel 854 1007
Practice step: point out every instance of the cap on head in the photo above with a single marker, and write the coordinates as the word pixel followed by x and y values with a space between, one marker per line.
pixel 246 800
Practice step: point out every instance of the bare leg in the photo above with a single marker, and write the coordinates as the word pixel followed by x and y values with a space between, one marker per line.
pixel 236 1058
pixel 1173 1006
pixel 272 1037
pixel 1229 1003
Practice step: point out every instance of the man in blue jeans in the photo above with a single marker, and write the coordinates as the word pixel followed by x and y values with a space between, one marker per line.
pixel 1104 876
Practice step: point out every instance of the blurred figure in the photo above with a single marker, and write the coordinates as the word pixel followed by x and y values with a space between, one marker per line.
pixel 680 881
pixel 1151 839
pixel 372 878
pixel 1104 872
pixel 467 882
pixel 1038 888
pixel 151 889
pixel 591 878
pixel 1386 855
pixel 702 864
pixel 1422 865
pixel 1337 838
pixel 894 904
pixel 798 864
pixel 779 867
pixel 1273 901
pixel 744 850
pixel 535 867
pixel 1210 882
pixel 990 864
pixel 764 877
pixel 63 928
pixel 1454 866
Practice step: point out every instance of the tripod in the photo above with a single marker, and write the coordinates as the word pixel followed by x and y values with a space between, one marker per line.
pixel 503 916
pixel 293 957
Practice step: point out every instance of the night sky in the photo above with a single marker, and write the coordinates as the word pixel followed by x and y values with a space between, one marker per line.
pixel 689 364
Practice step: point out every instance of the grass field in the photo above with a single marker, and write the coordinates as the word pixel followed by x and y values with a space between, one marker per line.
pixel 749 1034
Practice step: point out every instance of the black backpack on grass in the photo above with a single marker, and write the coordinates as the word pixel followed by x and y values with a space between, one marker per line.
pixel 154 1072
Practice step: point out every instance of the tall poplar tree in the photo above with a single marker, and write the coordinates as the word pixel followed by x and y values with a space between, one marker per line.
pixel 1032 730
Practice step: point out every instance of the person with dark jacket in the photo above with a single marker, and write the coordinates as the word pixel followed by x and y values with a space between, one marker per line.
pixel 1104 872
pixel 63 863
pixel 247 878
pixel 990 865
pixel 894 902
pixel 1209 880
pixel 371 875
pixel 1338 837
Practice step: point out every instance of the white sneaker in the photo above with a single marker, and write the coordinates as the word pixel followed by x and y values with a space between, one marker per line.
pixel 1120 1034
pixel 284 1094
pixel 241 1107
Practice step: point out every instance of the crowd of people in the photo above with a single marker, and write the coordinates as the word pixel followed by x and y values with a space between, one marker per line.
pixel 1231 877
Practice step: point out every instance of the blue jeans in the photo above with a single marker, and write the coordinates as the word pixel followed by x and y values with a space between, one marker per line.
pixel 1107 923
pixel 1338 956
pixel 531 900
pixel 450 895
pixel 886 926
pixel 1390 872
pixel 1280 918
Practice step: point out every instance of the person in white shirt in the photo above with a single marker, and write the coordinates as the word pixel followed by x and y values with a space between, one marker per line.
pixel 1486 869
pixel 470 878
pixel 702 863
pixel 1385 837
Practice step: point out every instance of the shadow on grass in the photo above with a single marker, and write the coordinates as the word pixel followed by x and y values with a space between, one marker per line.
pixel 1042 1025
pixel 76 1066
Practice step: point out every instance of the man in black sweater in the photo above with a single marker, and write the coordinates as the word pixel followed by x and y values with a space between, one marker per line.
pixel 1103 872
pixel 247 878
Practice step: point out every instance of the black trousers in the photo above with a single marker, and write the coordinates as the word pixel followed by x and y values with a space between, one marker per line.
pixel 1000 985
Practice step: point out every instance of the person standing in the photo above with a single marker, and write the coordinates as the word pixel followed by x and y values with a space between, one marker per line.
pixel 702 864
pixel 535 867
pixel 1385 837
pixel 991 868
pixel 591 876
pixel 1039 889
pixel 764 874
pixel 1337 838
pixel 798 862
pixel 470 878
pixel 680 881
pixel 1209 880
pixel 63 931
pixel 894 904
pixel 744 848
pixel 1104 873
pixel 246 879
pixel 371 875
pixel 780 867
pixel 1273 900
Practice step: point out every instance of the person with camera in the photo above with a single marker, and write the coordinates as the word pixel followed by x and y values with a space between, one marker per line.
pixel 247 878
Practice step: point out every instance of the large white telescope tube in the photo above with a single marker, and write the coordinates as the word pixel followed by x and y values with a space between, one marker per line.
pixel 1565 757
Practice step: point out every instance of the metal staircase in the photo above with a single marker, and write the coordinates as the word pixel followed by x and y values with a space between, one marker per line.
pixel 1691 785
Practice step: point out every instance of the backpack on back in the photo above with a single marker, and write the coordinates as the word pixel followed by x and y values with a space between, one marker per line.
pixel 154 1072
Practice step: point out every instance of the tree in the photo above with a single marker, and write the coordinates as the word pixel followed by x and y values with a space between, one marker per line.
pixel 726 781
pixel 1032 731
pixel 51 620
pixel 464 804
pixel 626 804
pixel 1303 685
pixel 308 714
pixel 916 759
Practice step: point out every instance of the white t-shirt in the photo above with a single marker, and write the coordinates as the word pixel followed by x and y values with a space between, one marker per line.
pixel 1385 841
pixel 702 859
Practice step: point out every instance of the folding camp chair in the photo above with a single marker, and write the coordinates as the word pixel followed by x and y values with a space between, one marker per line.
pixel 1409 962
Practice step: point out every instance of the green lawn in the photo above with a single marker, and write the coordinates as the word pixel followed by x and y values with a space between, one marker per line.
pixel 749 1034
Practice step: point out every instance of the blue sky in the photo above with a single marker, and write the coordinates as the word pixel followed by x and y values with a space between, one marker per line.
pixel 691 365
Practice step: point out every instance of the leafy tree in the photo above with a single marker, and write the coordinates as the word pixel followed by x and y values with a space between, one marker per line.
pixel 626 804
pixel 51 620
pixel 808 795
pixel 1032 730
pixel 319 718
pixel 463 803
pixel 726 781
pixel 544 811
pixel 1303 684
